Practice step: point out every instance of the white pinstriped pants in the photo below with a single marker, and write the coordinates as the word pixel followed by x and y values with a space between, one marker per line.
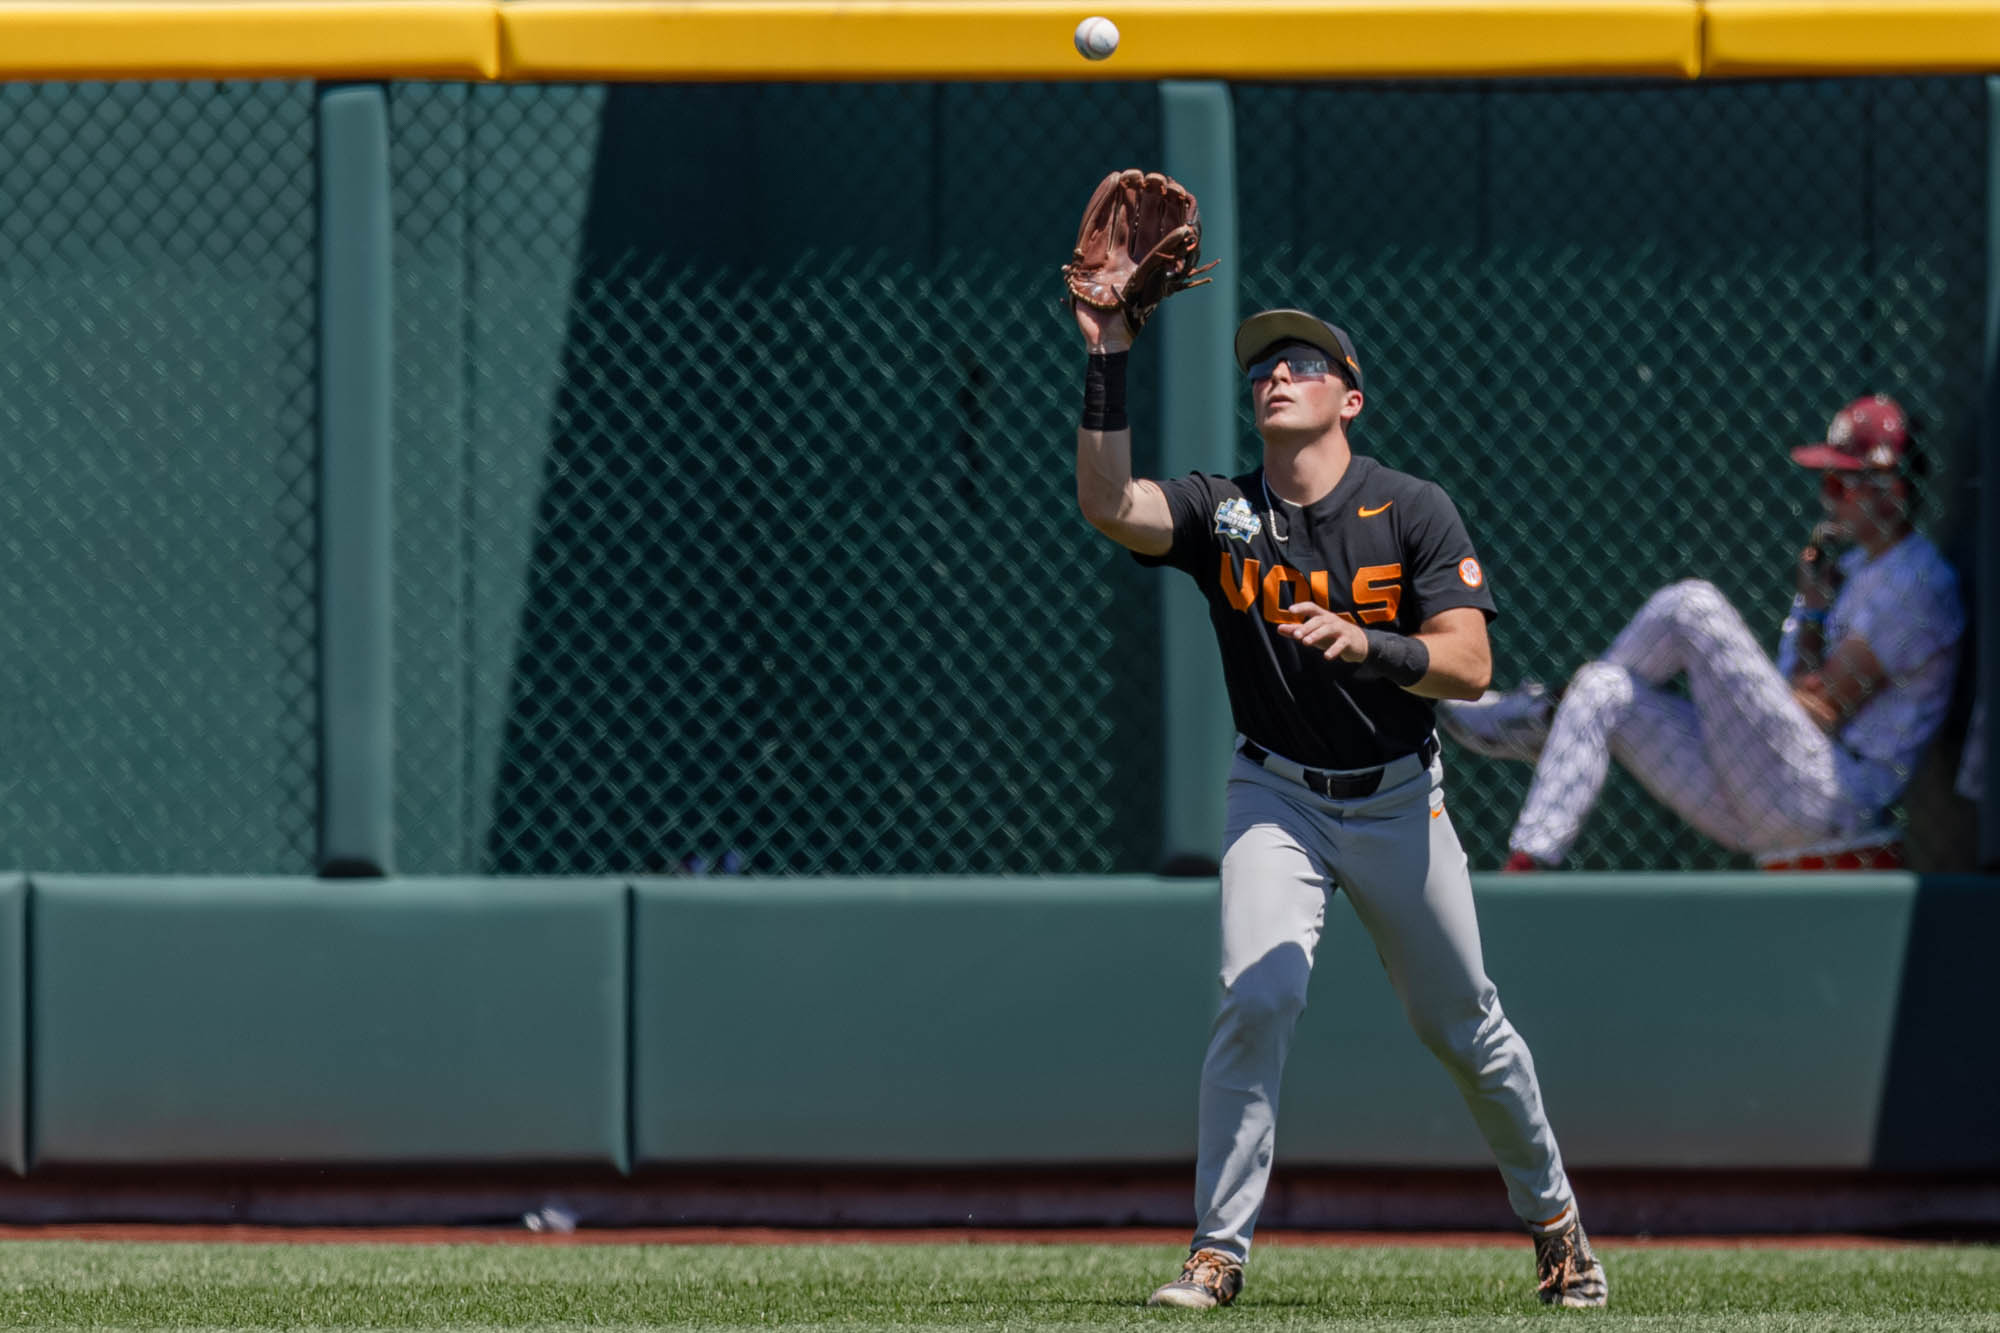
pixel 1739 759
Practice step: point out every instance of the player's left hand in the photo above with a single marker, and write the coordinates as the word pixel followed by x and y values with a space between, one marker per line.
pixel 1338 638
pixel 1138 244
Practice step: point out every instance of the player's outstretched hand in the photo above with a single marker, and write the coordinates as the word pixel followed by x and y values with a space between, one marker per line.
pixel 1139 242
pixel 1103 330
pixel 1337 638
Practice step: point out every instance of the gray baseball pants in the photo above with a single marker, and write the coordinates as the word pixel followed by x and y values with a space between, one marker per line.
pixel 1396 854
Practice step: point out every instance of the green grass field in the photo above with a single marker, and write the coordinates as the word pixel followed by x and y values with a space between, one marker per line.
pixel 98 1285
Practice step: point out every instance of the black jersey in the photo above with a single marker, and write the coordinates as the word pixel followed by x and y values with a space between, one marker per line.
pixel 1387 549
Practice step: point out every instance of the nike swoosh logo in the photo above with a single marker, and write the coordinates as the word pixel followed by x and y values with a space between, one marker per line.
pixel 1370 513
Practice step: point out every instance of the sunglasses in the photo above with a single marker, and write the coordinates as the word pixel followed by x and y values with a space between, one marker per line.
pixel 1835 484
pixel 1305 364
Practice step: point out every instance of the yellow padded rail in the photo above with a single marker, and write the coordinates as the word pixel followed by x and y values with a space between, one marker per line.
pixel 1031 39
pixel 1777 37
pixel 698 40
pixel 246 39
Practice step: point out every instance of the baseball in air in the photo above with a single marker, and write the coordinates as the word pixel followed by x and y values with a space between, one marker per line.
pixel 1096 38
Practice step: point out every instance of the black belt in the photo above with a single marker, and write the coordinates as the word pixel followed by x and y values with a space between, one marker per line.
pixel 1340 786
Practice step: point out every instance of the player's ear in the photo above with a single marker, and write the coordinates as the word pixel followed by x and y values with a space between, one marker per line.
pixel 1351 404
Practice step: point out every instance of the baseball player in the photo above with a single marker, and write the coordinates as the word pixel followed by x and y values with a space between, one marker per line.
pixel 1345 598
pixel 1760 756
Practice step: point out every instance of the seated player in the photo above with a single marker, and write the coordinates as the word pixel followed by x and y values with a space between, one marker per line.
pixel 1760 756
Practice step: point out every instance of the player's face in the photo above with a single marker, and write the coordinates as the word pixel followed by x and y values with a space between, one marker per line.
pixel 1863 505
pixel 1296 394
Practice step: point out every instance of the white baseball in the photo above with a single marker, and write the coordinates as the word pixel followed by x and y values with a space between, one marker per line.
pixel 1096 38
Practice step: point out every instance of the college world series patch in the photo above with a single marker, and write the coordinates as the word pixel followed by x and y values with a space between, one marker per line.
pixel 1469 572
pixel 1235 518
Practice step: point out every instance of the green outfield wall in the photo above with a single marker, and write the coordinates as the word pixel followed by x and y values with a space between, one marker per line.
pixel 1811 1022
pixel 191 1021
pixel 487 482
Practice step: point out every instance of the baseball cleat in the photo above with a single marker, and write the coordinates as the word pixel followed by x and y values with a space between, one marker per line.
pixel 1209 1278
pixel 1566 1271
pixel 1510 724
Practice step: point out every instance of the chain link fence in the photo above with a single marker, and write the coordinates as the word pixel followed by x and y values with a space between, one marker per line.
pixel 158 477
pixel 785 574
pixel 738 532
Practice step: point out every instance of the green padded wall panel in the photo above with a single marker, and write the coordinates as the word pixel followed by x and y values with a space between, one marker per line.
pixel 1677 1021
pixel 910 1020
pixel 13 1021
pixel 1713 1020
pixel 298 1020
pixel 1821 1021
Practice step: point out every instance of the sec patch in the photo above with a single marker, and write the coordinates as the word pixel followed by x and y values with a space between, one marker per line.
pixel 1470 573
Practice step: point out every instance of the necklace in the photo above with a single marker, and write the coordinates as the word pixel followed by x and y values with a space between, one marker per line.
pixel 1271 508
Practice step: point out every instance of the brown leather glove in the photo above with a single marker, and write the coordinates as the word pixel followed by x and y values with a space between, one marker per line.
pixel 1139 243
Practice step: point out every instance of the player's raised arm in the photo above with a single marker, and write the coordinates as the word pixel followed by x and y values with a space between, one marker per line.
pixel 1130 511
pixel 1139 243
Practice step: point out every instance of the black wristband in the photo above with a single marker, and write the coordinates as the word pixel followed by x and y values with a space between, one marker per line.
pixel 1104 391
pixel 1396 658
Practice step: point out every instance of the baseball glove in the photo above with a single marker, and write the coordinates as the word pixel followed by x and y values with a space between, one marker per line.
pixel 1139 243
